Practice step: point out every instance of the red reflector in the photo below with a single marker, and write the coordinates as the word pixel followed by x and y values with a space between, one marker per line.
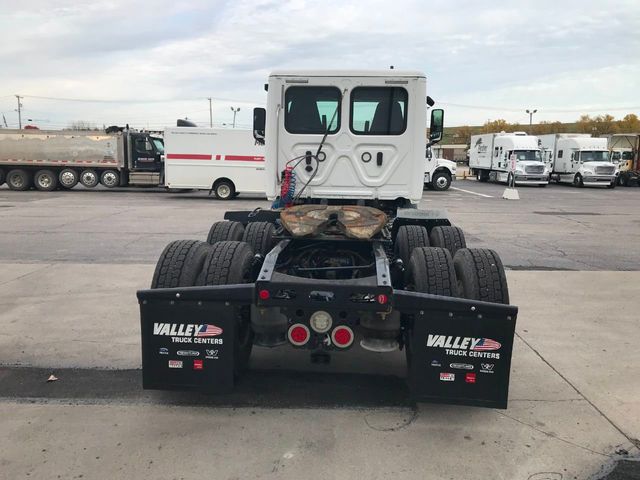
pixel 470 378
pixel 197 365
pixel 342 336
pixel 382 299
pixel 298 334
pixel 263 294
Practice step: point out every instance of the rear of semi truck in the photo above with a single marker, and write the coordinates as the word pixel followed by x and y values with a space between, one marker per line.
pixel 342 261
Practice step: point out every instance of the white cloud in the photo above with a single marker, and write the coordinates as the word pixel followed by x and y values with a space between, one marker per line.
pixel 544 54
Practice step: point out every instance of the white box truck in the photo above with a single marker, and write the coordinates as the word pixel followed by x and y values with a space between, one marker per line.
pixel 439 172
pixel 503 156
pixel 224 161
pixel 579 159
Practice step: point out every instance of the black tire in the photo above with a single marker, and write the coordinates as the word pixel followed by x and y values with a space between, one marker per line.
pixel 110 178
pixel 45 180
pixel 431 271
pixel 260 236
pixel 180 264
pixel 89 178
pixel 68 178
pixel 224 189
pixel 577 181
pixel 481 275
pixel 225 230
pixel 613 183
pixel 451 238
pixel 441 181
pixel 229 263
pixel 2 176
pixel 19 180
pixel 408 238
pixel 482 176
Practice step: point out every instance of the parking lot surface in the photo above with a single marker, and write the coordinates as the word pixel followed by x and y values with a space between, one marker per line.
pixel 70 263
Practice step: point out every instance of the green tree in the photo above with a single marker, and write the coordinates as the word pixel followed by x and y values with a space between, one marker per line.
pixel 629 124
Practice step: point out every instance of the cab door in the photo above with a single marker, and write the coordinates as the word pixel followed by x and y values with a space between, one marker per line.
pixel 144 156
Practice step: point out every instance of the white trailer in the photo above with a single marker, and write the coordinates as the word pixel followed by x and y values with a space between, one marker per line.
pixel 579 159
pixel 225 161
pixel 505 156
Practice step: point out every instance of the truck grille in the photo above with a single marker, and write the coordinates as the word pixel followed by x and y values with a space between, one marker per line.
pixel 608 170
pixel 534 169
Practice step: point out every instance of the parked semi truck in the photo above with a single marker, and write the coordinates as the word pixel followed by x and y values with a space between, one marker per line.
pixel 439 172
pixel 47 160
pixel 623 152
pixel 343 261
pixel 508 157
pixel 224 161
pixel 579 159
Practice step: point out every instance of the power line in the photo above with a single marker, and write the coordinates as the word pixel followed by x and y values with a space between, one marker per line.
pixel 139 101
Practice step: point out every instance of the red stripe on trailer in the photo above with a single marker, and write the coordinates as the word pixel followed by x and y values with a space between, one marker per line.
pixel 218 157
pixel 244 158
pixel 188 156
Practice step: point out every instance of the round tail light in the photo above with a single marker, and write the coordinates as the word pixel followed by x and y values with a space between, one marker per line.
pixel 264 294
pixel 342 336
pixel 298 334
pixel 382 299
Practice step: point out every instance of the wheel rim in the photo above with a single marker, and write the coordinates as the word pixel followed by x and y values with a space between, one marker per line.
pixel 223 191
pixel 67 178
pixel 44 181
pixel 88 178
pixel 17 181
pixel 441 182
pixel 109 179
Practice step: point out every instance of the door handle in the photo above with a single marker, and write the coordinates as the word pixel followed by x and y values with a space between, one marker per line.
pixel 379 159
pixel 308 168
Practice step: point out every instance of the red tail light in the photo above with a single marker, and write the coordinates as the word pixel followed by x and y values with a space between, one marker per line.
pixel 382 299
pixel 342 336
pixel 298 334
pixel 263 294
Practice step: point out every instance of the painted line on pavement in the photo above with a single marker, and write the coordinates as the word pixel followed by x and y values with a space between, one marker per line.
pixel 472 193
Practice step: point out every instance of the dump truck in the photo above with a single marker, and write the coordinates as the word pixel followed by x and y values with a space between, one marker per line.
pixel 343 260
pixel 508 158
pixel 48 160
pixel 623 152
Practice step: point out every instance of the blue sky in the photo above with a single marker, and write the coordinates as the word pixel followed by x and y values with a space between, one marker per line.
pixel 151 62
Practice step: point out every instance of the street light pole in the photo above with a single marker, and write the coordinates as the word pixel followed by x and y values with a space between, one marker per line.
pixel 210 113
pixel 531 112
pixel 235 111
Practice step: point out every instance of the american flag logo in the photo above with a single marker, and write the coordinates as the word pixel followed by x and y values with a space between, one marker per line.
pixel 486 344
pixel 207 330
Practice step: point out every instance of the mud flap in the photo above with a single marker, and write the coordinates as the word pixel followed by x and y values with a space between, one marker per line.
pixel 458 351
pixel 188 343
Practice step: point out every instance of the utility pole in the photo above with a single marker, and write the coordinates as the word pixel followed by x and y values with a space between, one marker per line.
pixel 210 113
pixel 19 110
pixel 235 111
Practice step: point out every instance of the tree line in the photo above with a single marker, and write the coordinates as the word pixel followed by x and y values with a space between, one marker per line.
pixel 596 126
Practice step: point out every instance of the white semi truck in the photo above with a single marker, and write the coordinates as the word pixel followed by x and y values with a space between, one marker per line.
pixel 439 172
pixel 579 159
pixel 224 161
pixel 507 157
pixel 342 261
pixel 47 160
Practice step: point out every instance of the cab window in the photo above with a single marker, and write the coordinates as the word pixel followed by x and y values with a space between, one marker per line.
pixel 310 110
pixel 378 110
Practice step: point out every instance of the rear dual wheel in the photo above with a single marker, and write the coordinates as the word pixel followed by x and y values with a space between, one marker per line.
pixel 45 180
pixel 19 179
pixel 225 230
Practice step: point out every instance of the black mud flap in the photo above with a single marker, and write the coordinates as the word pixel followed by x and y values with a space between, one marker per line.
pixel 459 351
pixel 188 337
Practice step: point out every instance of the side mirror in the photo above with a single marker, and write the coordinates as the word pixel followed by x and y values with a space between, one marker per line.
pixel 259 122
pixel 436 126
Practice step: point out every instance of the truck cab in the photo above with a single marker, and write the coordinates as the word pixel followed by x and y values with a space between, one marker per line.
pixel 581 160
pixel 145 158
pixel 371 125
pixel 439 172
